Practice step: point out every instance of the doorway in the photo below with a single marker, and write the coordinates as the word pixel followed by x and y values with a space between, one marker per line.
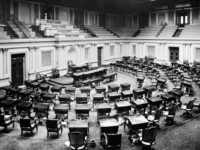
pixel 182 18
pixel 102 20
pixel 79 18
pixel 174 54
pixel 47 12
pixel 16 8
pixel 17 69
pixel 99 56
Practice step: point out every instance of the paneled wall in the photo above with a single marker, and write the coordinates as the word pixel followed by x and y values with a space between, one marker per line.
pixel 43 55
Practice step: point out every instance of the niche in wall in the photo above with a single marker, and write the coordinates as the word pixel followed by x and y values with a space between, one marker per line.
pixel 46 58
pixel 151 51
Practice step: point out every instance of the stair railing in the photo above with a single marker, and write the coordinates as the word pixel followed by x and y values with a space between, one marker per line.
pixel 161 29
pixel 22 27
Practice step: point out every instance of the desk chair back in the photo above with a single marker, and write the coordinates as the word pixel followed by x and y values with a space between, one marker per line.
pixel 114 141
pixel 77 139
pixel 149 136
pixel 52 123
pixel 25 123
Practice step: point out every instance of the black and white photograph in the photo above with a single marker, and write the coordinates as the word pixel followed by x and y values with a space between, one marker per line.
pixel 99 74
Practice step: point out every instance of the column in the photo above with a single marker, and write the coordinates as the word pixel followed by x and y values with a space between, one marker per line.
pixel 31 59
pixel 167 17
pixel 1 63
pixel 37 59
pixel 174 17
pixel 190 53
pixel 32 13
pixel 184 51
pixel 58 57
pixel 80 56
pixel 5 63
pixel 191 22
pixel 106 51
pixel 149 19
pixel 11 10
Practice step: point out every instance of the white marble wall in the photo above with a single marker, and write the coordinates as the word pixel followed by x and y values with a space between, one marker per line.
pixel 60 55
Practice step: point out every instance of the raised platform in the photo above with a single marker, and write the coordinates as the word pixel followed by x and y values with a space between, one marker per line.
pixel 61 81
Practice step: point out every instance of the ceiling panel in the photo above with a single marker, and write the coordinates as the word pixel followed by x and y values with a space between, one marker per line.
pixel 115 6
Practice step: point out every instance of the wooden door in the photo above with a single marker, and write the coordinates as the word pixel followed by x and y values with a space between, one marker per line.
pixel 174 54
pixel 16 8
pixel 102 20
pixel 79 18
pixel 17 69
pixel 99 56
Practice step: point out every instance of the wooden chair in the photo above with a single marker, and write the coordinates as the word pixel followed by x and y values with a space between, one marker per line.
pixel 27 124
pixel 54 125
pixel 188 107
pixel 55 73
pixel 6 120
pixel 148 137
pixel 111 141
pixel 170 114
pixel 77 141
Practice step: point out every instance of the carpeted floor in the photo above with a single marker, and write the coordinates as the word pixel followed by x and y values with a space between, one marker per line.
pixel 184 135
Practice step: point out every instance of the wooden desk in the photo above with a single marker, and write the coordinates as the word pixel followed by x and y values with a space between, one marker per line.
pixel 100 89
pixel 65 99
pixel 138 93
pixel 125 86
pixel 9 104
pixel 34 85
pixel 56 89
pixel 88 74
pixel 81 68
pixel 48 97
pixel 41 108
pixel 98 98
pixel 136 122
pixel 61 108
pixel 140 80
pixel 113 96
pixel 82 110
pixel 24 94
pixel 14 91
pixel 35 96
pixel 81 98
pixel 140 104
pixel 123 107
pixel 127 94
pixel 70 90
pixel 24 106
pixel 85 90
pixel 89 82
pixel 149 89
pixel 44 87
pixel 113 88
pixel 161 80
pixel 103 110
pixel 109 125
pixel 178 93
pixel 154 100
pixel 79 126
pixel 187 85
pixel 110 77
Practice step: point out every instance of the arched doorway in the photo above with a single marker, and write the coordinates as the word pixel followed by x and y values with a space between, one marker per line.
pixel 161 19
